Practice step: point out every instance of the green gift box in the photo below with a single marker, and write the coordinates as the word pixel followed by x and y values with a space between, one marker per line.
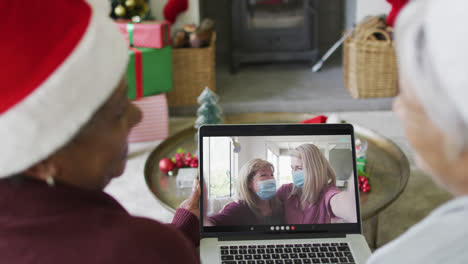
pixel 361 164
pixel 149 71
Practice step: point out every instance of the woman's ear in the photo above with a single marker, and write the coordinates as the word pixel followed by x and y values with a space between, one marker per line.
pixel 42 170
pixel 251 185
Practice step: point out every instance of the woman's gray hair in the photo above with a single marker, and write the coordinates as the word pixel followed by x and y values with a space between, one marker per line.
pixel 431 44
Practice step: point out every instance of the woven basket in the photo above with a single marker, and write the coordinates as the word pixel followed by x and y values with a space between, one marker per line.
pixel 193 70
pixel 369 64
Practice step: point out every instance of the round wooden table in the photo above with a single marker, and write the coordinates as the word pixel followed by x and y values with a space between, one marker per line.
pixel 387 165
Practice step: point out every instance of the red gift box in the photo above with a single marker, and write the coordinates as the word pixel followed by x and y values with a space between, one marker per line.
pixel 148 34
pixel 155 122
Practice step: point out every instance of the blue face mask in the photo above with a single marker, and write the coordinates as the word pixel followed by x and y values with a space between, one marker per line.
pixel 298 178
pixel 266 189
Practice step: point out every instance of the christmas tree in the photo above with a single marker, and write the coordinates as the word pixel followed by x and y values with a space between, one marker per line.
pixel 209 111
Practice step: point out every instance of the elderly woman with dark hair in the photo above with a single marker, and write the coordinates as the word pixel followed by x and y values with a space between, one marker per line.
pixel 431 38
pixel 64 122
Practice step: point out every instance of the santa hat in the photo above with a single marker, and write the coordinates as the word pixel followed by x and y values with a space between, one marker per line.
pixel 431 38
pixel 60 61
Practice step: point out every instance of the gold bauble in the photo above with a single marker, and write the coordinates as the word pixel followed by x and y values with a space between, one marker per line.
pixel 130 3
pixel 119 11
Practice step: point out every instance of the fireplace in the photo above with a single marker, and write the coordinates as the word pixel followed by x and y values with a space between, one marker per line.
pixel 273 30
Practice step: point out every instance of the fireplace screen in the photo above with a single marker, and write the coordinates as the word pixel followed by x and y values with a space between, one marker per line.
pixel 264 14
pixel 274 30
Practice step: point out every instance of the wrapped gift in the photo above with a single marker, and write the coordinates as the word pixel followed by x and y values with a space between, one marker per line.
pixel 155 122
pixel 148 34
pixel 149 72
pixel 361 164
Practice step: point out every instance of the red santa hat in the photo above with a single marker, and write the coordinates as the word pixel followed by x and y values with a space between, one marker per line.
pixel 59 62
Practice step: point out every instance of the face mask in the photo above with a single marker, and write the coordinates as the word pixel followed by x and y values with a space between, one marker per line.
pixel 298 178
pixel 266 189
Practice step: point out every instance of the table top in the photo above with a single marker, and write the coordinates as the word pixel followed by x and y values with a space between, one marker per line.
pixel 389 167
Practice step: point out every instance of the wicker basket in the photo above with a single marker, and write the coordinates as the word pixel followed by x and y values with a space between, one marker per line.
pixel 369 64
pixel 193 70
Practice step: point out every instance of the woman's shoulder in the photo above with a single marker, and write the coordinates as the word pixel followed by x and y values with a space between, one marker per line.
pixel 133 225
pixel 332 188
pixel 152 238
pixel 441 238
pixel 232 213
pixel 286 187
pixel 236 206
pixel 330 191
pixel 284 191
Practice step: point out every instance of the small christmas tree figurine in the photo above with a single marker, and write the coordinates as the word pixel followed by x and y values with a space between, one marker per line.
pixel 209 111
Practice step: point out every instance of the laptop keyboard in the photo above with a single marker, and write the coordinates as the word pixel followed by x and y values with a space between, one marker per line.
pixel 287 254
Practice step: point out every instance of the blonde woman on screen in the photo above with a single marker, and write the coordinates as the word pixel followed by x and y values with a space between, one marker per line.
pixel 313 197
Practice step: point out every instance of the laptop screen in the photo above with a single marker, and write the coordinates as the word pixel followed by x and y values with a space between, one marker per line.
pixel 279 179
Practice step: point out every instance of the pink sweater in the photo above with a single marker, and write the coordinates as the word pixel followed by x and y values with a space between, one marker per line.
pixel 319 213
pixel 63 224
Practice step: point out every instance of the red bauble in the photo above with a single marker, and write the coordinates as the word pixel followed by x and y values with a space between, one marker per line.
pixel 194 163
pixel 166 165
pixel 188 159
pixel 179 163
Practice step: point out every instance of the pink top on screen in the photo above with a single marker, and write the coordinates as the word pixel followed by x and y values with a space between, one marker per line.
pixel 320 213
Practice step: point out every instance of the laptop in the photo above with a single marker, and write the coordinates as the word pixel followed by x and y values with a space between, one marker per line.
pixel 232 233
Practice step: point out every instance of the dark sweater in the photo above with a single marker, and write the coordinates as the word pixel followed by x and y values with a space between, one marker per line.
pixel 63 224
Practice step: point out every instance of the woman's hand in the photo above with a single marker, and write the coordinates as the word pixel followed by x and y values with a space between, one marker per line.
pixel 193 202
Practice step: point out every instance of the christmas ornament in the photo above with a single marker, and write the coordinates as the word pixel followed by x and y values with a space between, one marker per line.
pixel 119 11
pixel 136 19
pixel 136 10
pixel 361 147
pixel 361 150
pixel 181 159
pixel 363 181
pixel 209 111
pixel 166 165
pixel 361 162
pixel 130 3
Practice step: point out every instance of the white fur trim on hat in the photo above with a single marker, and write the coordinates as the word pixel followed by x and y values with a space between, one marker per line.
pixel 52 115
pixel 431 38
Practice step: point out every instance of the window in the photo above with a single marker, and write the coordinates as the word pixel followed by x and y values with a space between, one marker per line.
pixel 273 159
pixel 284 171
pixel 220 167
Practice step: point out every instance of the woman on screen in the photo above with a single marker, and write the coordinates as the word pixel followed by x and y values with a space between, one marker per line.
pixel 257 202
pixel 313 197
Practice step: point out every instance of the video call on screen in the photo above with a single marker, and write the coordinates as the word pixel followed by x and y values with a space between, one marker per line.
pixel 279 180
